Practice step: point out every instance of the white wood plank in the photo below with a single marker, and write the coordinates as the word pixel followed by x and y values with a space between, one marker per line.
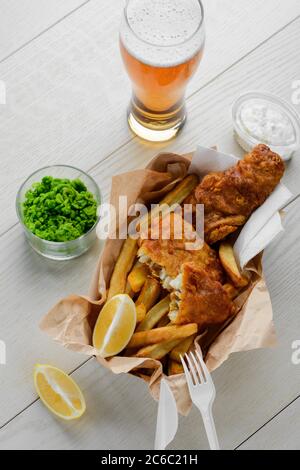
pixel 273 68
pixel 30 286
pixel 252 387
pixel 121 415
pixel 21 21
pixel 245 381
pixel 282 433
pixel 67 91
pixel 119 421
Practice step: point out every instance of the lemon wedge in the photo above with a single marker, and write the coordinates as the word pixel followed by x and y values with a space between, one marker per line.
pixel 115 326
pixel 58 391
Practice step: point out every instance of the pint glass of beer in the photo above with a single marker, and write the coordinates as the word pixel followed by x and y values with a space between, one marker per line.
pixel 161 45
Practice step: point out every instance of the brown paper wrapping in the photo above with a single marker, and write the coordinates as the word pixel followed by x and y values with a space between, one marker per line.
pixel 72 320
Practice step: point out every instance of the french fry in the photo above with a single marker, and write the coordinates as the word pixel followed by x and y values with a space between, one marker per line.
pixel 140 313
pixel 181 349
pixel 155 314
pixel 130 246
pixel 175 196
pixel 138 276
pixel 159 335
pixel 147 298
pixel 128 290
pixel 122 268
pixel 157 351
pixel 174 368
pixel 181 191
pixel 230 265
pixel 232 291
pixel 164 322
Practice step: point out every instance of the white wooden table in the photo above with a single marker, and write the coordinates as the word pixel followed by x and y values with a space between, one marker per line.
pixel 66 95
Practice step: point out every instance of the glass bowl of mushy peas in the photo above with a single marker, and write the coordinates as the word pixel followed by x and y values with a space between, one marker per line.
pixel 57 207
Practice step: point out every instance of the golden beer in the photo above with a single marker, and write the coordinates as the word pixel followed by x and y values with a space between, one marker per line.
pixel 161 44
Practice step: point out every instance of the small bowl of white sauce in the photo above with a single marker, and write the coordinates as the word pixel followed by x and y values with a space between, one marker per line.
pixel 262 118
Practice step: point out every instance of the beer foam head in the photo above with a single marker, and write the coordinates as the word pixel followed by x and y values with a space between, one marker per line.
pixel 163 33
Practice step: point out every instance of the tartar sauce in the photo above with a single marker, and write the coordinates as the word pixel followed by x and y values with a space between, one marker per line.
pixel 267 123
pixel 263 118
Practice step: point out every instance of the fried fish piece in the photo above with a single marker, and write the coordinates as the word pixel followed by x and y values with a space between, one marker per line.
pixel 199 299
pixel 230 197
pixel 166 256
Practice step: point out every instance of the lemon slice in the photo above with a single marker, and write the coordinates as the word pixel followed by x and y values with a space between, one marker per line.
pixel 115 326
pixel 58 392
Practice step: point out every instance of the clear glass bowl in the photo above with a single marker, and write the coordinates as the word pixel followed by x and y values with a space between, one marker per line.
pixel 251 133
pixel 59 250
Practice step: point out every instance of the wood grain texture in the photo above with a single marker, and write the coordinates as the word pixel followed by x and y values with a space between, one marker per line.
pixel 30 286
pixel 242 383
pixel 282 433
pixel 67 90
pixel 209 111
pixel 23 20
pixel 252 387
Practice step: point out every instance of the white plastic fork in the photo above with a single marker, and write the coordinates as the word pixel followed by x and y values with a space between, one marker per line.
pixel 202 391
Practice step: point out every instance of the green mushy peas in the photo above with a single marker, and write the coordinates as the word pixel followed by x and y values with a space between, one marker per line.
pixel 59 210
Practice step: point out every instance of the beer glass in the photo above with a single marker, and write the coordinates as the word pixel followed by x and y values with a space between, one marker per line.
pixel 161 44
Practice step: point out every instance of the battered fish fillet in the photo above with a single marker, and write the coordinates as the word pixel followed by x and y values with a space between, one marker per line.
pixel 230 197
pixel 199 299
pixel 165 257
